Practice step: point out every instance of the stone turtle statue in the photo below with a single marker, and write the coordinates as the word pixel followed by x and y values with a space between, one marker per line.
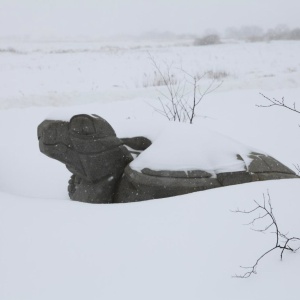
pixel 103 164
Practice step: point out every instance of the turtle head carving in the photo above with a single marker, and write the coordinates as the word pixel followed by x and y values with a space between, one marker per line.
pixel 87 145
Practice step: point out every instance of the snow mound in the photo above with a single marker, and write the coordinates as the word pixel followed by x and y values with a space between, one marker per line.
pixel 186 147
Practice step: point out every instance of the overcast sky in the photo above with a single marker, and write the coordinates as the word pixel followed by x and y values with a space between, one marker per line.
pixel 110 17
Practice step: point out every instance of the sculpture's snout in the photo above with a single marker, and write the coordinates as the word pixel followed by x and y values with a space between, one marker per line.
pixel 53 132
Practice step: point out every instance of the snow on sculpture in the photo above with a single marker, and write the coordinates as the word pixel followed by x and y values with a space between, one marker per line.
pixel 107 169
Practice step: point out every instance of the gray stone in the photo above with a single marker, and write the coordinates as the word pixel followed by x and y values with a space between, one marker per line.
pixel 177 174
pixel 232 178
pixel 137 143
pixel 273 176
pixel 262 163
pixel 91 151
pixel 136 186
pixel 99 161
pixel 82 190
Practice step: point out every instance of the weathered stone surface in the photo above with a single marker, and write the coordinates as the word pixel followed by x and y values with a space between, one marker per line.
pixel 232 178
pixel 91 151
pixel 137 143
pixel 262 163
pixel 136 186
pixel 273 176
pixel 177 174
pixel 99 161
pixel 82 190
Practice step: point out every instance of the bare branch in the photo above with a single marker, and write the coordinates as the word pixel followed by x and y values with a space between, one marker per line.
pixel 282 240
pixel 280 103
pixel 181 106
pixel 297 167
pixel 253 268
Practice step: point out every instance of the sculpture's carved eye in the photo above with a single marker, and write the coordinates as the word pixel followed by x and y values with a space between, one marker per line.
pixel 82 124
pixel 90 126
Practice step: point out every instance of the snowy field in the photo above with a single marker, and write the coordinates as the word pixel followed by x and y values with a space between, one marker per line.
pixel 185 247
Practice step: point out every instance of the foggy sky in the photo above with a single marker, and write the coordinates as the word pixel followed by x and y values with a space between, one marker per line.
pixel 111 17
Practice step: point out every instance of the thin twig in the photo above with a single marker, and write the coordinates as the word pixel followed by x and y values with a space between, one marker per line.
pixel 282 240
pixel 280 103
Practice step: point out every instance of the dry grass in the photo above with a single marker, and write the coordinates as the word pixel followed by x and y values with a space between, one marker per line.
pixel 218 75
pixel 157 79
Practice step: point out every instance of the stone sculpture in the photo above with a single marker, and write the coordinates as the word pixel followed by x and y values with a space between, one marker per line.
pixel 100 164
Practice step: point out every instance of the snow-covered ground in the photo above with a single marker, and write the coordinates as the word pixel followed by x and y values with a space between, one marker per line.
pixel 185 247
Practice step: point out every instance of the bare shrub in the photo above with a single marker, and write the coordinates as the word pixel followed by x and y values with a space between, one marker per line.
pixel 282 241
pixel 295 34
pixel 248 33
pixel 180 101
pixel 211 39
pixel 255 39
pixel 216 74
pixel 257 34
pixel 282 32
pixel 297 168
pixel 10 50
pixel 157 80
pixel 274 102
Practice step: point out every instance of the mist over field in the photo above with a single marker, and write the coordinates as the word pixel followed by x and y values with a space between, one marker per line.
pixel 120 60
pixel 91 18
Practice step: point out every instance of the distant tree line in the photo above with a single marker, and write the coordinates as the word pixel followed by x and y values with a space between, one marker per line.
pixel 251 34
pixel 256 34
